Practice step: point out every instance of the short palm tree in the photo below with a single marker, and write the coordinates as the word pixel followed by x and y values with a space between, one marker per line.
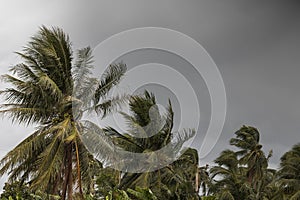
pixel 52 92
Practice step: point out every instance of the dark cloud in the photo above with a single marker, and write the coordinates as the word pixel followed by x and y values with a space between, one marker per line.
pixel 255 44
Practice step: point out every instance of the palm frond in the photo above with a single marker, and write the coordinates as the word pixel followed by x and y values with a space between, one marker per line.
pixel 46 83
pixel 111 105
pixel 26 115
pixel 25 149
pixel 97 142
pixel 51 49
pixel 110 78
pixel 83 66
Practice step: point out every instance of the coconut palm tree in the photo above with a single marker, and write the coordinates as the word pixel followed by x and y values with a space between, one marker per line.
pixel 247 139
pixel 244 173
pixel 173 181
pixel 228 177
pixel 52 92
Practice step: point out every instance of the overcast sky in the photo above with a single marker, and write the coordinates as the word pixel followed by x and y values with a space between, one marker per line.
pixel 255 45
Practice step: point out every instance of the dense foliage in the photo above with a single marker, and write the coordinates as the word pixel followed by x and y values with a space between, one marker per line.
pixel 243 173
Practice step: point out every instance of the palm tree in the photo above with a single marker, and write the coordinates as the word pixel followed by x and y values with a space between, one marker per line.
pixel 204 180
pixel 267 188
pixel 186 183
pixel 251 155
pixel 289 173
pixel 228 177
pixel 244 173
pixel 50 91
pixel 171 181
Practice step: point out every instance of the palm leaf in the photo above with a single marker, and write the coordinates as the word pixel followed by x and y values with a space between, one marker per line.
pixel 110 78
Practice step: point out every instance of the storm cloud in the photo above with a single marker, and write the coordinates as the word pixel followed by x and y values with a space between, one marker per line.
pixel 255 45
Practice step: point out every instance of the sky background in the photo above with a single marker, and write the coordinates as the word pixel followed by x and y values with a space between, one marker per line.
pixel 255 45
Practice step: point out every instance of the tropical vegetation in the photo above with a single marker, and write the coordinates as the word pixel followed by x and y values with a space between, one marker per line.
pixel 53 89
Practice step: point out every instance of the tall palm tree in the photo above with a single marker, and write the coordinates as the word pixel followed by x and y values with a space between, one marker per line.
pixel 51 92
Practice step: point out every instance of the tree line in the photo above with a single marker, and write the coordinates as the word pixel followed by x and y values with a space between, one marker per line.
pixel 53 90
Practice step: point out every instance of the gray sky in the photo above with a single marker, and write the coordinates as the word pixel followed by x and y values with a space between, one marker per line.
pixel 255 45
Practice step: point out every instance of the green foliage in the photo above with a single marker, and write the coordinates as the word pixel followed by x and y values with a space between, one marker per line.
pixel 130 194
pixel 244 173
pixel 289 173
pixel 170 182
pixel 208 198
pixel 19 191
pixel 16 190
pixel 107 180
pixel 142 194
pixel 117 195
pixel 52 92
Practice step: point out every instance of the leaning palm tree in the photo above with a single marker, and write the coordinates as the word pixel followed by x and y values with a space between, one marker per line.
pixel 245 173
pixel 251 154
pixel 52 92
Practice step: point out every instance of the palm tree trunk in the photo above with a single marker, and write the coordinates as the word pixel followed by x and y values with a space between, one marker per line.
pixel 119 177
pixel 57 182
pixel 68 174
pixel 78 171
pixel 66 178
pixel 70 179
pixel 197 180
